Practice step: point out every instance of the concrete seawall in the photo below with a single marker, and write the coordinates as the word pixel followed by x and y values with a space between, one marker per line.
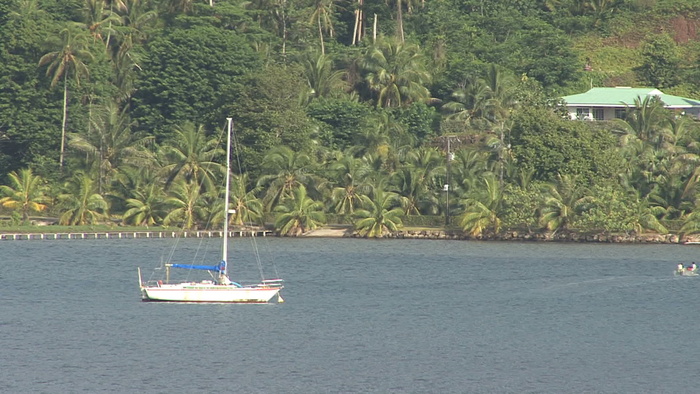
pixel 131 235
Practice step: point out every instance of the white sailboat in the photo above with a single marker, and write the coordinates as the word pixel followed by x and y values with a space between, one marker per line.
pixel 221 288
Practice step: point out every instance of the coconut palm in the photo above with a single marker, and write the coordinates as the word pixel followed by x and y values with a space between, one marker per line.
pixel 298 214
pixel 98 19
pixel 396 73
pixel 146 207
pixel 190 155
pixel 68 60
pixel 470 103
pixel 483 208
pixel 286 170
pixel 109 143
pixel 186 203
pixel 561 202
pixel 248 208
pixel 645 120
pixel 416 181
pixel 323 17
pixel 25 194
pixel 323 80
pixel 380 214
pixel 645 217
pixel 81 204
pixel 349 175
pixel 691 222
pixel 467 169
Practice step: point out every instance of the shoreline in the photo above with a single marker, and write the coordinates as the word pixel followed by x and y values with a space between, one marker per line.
pixel 346 232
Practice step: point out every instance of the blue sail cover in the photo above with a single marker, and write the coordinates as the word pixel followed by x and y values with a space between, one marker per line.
pixel 218 268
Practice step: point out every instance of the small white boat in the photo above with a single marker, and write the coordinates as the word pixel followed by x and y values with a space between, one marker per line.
pixel 686 271
pixel 221 288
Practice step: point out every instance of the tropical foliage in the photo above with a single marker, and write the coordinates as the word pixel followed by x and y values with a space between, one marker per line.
pixel 376 114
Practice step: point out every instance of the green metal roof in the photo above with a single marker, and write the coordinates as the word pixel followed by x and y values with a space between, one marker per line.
pixel 621 96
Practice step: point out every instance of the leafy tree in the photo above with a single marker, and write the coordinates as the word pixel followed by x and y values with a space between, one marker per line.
pixel 661 62
pixel 189 73
pixel 484 209
pixel 323 18
pixel 469 103
pixel 645 120
pixel 298 214
pixel 269 113
pixel 341 121
pixel 25 194
pixel 549 145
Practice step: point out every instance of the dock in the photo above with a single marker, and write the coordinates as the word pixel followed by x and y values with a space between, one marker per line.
pixel 131 235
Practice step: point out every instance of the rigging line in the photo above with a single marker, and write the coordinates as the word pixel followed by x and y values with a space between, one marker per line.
pixel 257 255
pixel 254 241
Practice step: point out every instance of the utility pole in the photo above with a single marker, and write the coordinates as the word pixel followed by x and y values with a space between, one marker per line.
pixel 446 188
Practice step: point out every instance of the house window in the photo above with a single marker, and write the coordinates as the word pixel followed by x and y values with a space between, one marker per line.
pixel 583 113
pixel 620 113
pixel 598 114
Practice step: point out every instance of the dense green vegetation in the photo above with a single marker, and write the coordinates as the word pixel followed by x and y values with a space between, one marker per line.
pixel 112 111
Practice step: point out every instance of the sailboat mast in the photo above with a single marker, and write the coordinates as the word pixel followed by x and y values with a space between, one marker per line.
pixel 226 195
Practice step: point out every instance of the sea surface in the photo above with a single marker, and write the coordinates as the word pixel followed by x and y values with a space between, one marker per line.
pixel 361 316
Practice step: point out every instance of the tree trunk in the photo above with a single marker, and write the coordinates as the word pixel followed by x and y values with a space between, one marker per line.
pixel 63 125
pixel 320 35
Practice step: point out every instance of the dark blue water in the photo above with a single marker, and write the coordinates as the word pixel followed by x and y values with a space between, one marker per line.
pixel 360 316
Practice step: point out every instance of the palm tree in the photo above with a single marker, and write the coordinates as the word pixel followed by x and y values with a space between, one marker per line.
pixel 323 17
pixel 379 215
pixel 467 169
pixel 146 207
pixel 396 73
pixel 287 170
pixel 416 181
pixel 561 201
pixel 483 210
pixel 186 200
pixel 644 217
pixel 469 103
pixel 299 214
pixel 109 143
pixel 99 19
pixel 69 59
pixel 26 193
pixel 248 207
pixel 349 177
pixel 190 156
pixel 323 80
pixel 645 120
pixel 691 223
pixel 81 204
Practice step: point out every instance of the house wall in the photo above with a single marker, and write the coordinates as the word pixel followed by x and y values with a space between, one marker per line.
pixel 608 113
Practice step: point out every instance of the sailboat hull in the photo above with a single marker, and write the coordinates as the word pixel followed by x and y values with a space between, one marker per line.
pixel 195 292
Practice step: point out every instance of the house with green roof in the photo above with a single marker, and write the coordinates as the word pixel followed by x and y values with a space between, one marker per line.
pixel 611 103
